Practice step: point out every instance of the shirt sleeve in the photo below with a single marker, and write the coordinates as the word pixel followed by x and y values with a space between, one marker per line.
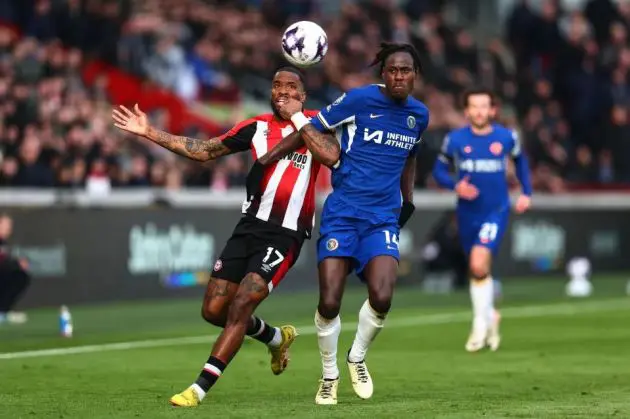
pixel 239 137
pixel 418 144
pixel 516 145
pixel 447 153
pixel 521 165
pixel 337 113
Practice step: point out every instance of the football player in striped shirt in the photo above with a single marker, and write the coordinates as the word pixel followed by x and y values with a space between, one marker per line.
pixel 267 240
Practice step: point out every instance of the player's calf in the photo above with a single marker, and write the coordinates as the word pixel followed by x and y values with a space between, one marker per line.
pixel 370 325
pixel 380 273
pixel 219 295
pixel 332 279
pixel 482 298
pixel 252 291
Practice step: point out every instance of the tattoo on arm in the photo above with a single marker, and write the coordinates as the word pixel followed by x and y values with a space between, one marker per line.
pixel 288 144
pixel 201 150
pixel 324 147
pixel 408 179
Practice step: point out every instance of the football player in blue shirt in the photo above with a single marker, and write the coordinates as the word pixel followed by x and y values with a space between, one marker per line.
pixel 379 128
pixel 479 152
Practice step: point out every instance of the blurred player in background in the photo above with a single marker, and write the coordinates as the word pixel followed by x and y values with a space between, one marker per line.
pixel 267 240
pixel 14 276
pixel 479 152
pixel 379 129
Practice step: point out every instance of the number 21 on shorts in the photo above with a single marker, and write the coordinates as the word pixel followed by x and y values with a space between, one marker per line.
pixel 488 232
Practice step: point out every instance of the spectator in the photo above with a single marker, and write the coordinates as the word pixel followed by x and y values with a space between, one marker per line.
pixel 562 77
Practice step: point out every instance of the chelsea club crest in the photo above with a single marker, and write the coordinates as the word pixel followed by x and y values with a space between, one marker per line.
pixel 411 122
pixel 332 244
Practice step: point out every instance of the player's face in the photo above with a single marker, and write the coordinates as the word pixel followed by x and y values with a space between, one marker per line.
pixel 286 85
pixel 399 75
pixel 479 110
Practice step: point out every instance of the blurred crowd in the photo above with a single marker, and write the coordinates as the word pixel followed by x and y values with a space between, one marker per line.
pixel 562 77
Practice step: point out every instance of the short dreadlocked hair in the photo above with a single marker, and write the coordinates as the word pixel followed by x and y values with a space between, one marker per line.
pixel 388 48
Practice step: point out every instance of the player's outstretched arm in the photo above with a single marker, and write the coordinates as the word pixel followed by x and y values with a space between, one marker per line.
pixel 136 122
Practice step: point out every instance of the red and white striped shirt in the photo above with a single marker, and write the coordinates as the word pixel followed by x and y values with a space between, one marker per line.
pixel 288 186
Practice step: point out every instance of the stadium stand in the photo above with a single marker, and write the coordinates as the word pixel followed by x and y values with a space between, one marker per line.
pixel 562 77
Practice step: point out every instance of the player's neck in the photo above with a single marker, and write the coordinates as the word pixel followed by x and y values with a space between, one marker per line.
pixel 385 93
pixel 485 130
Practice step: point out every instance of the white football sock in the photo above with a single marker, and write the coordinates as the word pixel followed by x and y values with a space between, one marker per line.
pixel 481 295
pixel 200 393
pixel 370 324
pixel 328 337
pixel 491 308
pixel 277 338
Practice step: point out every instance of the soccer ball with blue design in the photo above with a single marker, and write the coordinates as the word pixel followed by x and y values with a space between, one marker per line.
pixel 304 44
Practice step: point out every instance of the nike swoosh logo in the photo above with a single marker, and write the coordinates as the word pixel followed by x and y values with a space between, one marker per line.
pixel 373 116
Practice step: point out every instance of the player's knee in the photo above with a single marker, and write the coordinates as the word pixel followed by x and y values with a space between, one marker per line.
pixel 328 307
pixel 252 291
pixel 213 315
pixel 479 269
pixel 381 302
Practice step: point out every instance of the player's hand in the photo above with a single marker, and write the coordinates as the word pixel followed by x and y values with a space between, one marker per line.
pixel 523 203
pixel 289 108
pixel 466 190
pixel 135 122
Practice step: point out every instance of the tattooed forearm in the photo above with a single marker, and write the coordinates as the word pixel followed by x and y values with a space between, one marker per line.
pixel 408 179
pixel 288 144
pixel 201 150
pixel 325 147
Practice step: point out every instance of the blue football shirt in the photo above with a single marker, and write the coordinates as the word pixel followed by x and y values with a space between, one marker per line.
pixel 483 159
pixel 377 134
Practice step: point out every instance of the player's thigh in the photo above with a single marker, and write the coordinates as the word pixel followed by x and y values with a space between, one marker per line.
pixel 217 298
pixel 487 242
pixel 380 273
pixel 480 261
pixel 333 272
pixel 227 273
pixel 272 256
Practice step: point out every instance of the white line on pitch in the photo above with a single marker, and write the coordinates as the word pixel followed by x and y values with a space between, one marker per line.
pixel 563 309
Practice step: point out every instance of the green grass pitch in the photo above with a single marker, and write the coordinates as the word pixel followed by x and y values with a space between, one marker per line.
pixel 561 358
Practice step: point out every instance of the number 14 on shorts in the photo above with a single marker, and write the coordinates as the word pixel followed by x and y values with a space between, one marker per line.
pixel 391 240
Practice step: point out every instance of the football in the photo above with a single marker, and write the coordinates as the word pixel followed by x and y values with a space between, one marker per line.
pixel 304 43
